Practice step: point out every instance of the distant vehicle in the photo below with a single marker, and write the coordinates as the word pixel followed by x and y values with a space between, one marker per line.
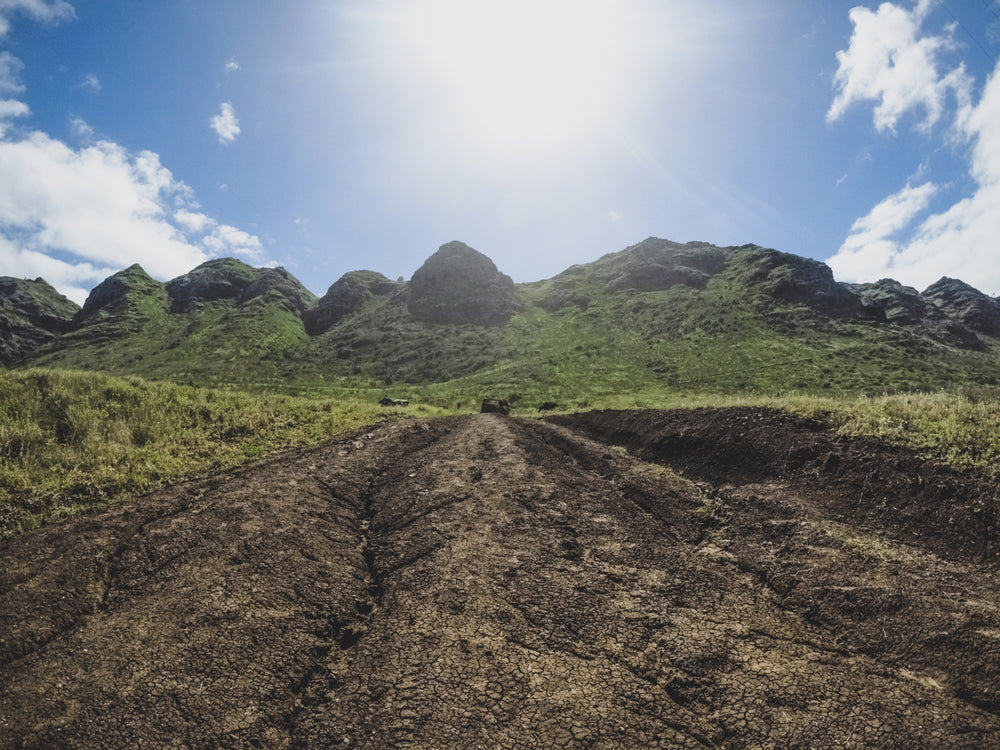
pixel 394 402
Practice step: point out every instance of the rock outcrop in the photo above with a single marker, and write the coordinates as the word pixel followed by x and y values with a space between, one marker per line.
pixel 962 302
pixel 655 264
pixel 31 313
pixel 347 295
pixel 278 284
pixel 792 278
pixel 231 279
pixel 651 265
pixel 223 278
pixel 891 301
pixel 113 295
pixel 459 285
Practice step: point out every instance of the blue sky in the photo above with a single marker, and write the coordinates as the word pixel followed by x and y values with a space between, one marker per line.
pixel 338 135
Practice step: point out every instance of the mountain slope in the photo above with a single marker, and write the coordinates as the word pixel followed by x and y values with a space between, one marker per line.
pixel 657 315
pixel 223 317
pixel 31 314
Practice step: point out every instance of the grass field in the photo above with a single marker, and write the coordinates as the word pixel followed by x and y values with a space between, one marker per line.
pixel 74 441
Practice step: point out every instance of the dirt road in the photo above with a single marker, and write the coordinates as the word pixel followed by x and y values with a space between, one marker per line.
pixel 735 578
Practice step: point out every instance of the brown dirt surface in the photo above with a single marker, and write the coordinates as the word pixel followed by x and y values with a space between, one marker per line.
pixel 711 578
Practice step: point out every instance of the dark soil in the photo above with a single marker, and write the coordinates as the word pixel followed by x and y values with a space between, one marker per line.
pixel 728 578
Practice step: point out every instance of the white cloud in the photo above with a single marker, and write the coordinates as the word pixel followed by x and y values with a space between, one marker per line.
pixel 80 130
pixel 50 11
pixel 194 222
pixel 90 82
pixel 225 124
pixel 71 279
pixel 232 65
pixel 74 216
pixel 227 240
pixel 869 252
pixel 887 61
pixel 99 203
pixel 960 241
pixel 10 109
pixel 10 71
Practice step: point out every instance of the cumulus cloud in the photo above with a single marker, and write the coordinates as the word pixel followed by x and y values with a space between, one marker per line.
pixel 10 109
pixel 193 221
pixel 888 61
pixel 232 65
pixel 227 240
pixel 10 83
pixel 75 215
pixel 225 124
pixel 870 250
pixel 50 11
pixel 959 241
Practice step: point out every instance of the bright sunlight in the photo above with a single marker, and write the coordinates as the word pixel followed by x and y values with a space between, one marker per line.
pixel 513 77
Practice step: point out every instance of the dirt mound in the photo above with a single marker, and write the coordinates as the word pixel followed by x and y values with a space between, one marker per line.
pixel 488 582
pixel 855 480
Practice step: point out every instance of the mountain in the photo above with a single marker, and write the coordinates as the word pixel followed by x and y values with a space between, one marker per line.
pixel 31 313
pixel 656 315
pixel 459 285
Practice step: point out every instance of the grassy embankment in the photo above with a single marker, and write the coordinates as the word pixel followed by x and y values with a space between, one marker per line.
pixel 72 442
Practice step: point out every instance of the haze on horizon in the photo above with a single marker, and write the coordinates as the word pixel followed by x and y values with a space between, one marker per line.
pixel 327 137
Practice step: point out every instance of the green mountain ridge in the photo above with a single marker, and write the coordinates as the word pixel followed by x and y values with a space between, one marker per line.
pixel 657 315
pixel 31 313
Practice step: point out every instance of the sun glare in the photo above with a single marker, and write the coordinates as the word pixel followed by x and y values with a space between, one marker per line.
pixel 516 77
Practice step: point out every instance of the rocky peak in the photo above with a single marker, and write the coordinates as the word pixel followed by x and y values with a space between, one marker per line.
pixel 347 295
pixel 460 285
pixel 222 278
pixel 277 283
pixel 112 294
pixel 31 313
pixel 656 264
pixel 792 278
pixel 890 300
pixel 958 300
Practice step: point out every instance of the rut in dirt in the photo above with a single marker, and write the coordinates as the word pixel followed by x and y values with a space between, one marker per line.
pixel 727 578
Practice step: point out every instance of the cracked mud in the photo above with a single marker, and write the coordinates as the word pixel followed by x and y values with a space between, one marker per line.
pixel 728 578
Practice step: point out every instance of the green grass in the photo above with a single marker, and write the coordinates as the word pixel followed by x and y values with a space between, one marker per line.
pixel 73 442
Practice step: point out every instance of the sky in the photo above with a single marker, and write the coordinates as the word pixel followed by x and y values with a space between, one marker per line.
pixel 336 135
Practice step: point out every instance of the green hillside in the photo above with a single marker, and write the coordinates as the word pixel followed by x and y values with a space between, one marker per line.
pixel 657 319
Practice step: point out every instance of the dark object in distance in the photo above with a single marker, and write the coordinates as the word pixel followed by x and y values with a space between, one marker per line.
pixel 548 406
pixel 393 402
pixel 495 406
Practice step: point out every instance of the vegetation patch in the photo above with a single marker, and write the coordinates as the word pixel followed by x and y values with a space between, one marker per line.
pixel 74 441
